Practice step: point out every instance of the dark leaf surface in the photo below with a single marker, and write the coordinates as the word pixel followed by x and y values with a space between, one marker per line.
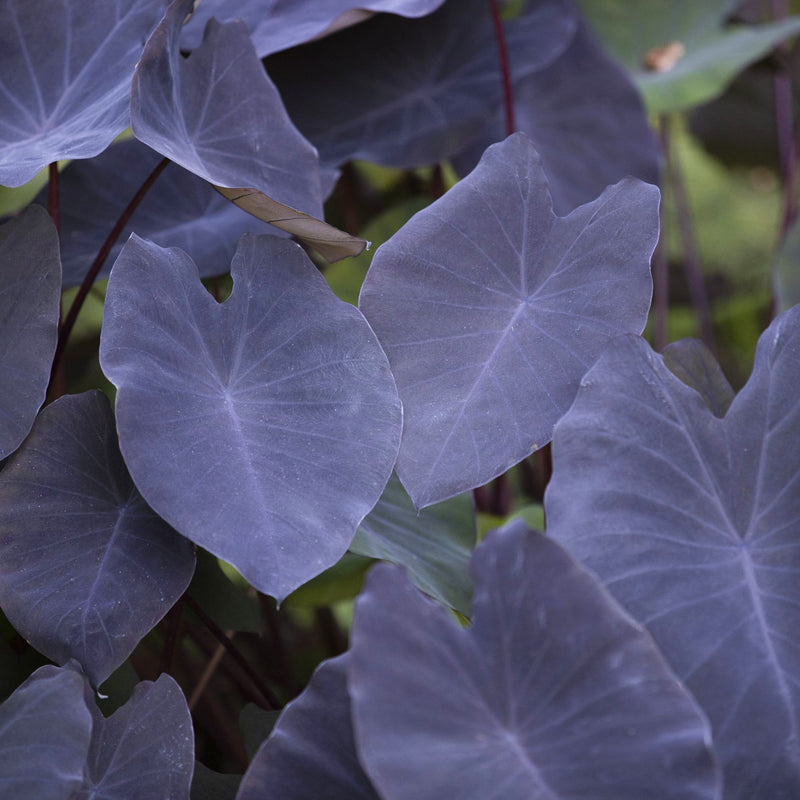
pixel 180 210
pixel 265 428
pixel 278 24
pixel 311 753
pixel 434 544
pixel 552 693
pixel 65 76
pixel 412 92
pixel 88 569
pixel 586 119
pixel 30 296
pixel 45 729
pixel 218 115
pixel 144 750
pixel 693 522
pixel 490 309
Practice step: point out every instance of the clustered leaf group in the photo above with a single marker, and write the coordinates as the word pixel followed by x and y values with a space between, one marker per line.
pixel 646 646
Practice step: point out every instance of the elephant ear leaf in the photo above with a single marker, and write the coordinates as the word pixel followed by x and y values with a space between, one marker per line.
pixel 145 748
pixel 552 693
pixel 176 105
pixel 490 309
pixel 89 568
pixel 45 730
pixel 311 752
pixel 65 73
pixel 695 532
pixel 264 428
pixel 30 301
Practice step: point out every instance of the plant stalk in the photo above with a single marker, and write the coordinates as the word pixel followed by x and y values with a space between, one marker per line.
pixel 102 255
pixel 225 641
pixel 505 69
pixel 689 247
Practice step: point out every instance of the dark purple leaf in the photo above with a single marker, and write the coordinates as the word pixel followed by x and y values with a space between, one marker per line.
pixel 265 428
pixel 692 521
pixel 279 24
pixel 65 75
pixel 87 568
pixel 554 692
pixel 434 544
pixel 410 92
pixel 180 210
pixel 491 309
pixel 218 115
pixel 586 119
pixel 30 298
pixel 144 750
pixel 311 753
pixel 45 728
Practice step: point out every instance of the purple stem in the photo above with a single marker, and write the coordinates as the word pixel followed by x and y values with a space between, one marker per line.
pixel 505 70
pixel 784 127
pixel 102 255
pixel 232 650
pixel 660 258
pixel 691 257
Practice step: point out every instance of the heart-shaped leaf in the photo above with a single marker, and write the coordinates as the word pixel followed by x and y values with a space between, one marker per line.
pixel 218 115
pixel 65 73
pixel 430 84
pixel 45 728
pixel 279 24
pixel 180 210
pixel 88 568
pixel 265 428
pixel 434 544
pixel 311 753
pixel 30 298
pixel 552 693
pixel 585 118
pixel 145 748
pixel 691 520
pixel 490 309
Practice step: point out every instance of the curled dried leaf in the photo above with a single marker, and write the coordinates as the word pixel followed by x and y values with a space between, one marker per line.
pixel 331 243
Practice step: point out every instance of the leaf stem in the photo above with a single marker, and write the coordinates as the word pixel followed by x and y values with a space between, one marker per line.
pixel 505 69
pixel 784 127
pixel 225 641
pixel 660 258
pixel 689 247
pixel 102 255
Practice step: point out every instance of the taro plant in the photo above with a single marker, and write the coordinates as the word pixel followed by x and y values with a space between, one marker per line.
pixel 205 448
